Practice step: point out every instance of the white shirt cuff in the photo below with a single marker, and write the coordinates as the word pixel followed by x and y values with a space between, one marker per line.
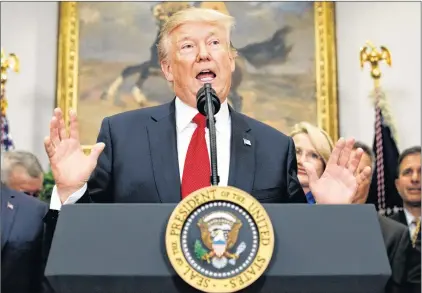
pixel 55 202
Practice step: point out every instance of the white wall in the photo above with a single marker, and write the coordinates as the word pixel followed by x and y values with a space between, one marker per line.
pixel 30 30
pixel 396 25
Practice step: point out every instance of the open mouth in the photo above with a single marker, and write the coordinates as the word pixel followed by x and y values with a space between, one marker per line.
pixel 206 75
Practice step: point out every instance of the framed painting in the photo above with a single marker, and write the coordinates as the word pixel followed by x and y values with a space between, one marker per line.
pixel 285 69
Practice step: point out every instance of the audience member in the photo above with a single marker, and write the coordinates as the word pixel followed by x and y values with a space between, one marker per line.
pixel 21 171
pixel 23 246
pixel 314 146
pixel 408 184
pixel 404 260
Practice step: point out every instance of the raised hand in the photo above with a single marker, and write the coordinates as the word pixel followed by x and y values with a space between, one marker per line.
pixel 338 183
pixel 70 166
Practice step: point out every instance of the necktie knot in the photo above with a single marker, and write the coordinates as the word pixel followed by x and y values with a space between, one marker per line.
pixel 200 120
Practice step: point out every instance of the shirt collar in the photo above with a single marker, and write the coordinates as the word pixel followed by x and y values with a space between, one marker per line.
pixel 185 114
pixel 409 217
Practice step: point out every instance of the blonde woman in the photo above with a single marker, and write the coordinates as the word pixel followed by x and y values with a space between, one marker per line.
pixel 313 146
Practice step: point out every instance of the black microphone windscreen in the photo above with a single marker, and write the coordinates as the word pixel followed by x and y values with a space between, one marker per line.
pixel 201 99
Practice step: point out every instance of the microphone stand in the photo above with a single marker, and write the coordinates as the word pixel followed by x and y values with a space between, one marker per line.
pixel 209 109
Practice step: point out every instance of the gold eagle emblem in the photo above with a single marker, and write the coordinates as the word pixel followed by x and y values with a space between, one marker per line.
pixel 219 233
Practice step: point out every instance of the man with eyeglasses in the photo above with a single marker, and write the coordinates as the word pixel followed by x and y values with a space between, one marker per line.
pixel 22 171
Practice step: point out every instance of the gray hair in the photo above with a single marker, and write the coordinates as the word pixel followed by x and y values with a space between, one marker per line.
pixel 12 159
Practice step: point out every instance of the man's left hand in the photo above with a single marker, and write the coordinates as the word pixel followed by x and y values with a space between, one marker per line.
pixel 338 183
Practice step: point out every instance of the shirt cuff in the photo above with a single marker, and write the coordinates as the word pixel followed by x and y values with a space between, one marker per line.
pixel 55 202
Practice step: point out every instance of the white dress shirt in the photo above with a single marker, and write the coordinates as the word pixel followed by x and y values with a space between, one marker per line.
pixel 410 222
pixel 185 129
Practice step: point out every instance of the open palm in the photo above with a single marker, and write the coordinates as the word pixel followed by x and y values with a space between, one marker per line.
pixel 338 184
pixel 71 168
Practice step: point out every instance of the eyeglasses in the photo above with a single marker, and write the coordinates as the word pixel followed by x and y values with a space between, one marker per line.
pixel 309 155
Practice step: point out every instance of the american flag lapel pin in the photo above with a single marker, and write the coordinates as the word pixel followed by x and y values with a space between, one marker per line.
pixel 9 205
pixel 246 142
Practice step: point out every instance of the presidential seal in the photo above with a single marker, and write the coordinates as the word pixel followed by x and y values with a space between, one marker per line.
pixel 219 239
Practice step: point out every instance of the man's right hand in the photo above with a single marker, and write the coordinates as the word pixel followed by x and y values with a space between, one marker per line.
pixel 70 166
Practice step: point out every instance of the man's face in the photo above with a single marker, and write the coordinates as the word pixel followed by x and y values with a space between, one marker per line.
pixel 21 181
pixel 363 188
pixel 199 53
pixel 408 182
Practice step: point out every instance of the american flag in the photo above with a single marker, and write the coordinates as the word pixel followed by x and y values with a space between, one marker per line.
pixel 6 138
pixel 383 193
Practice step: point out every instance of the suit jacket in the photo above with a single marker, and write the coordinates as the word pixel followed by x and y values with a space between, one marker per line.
pixel 401 218
pixel 399 250
pixel 140 163
pixel 22 235
pixel 415 258
pixel 400 255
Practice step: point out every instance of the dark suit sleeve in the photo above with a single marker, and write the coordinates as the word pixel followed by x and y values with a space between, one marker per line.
pixel 46 244
pixel 100 182
pixel 295 191
pixel 38 282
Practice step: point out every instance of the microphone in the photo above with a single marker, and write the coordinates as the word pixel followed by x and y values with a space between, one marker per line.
pixel 208 104
pixel 204 94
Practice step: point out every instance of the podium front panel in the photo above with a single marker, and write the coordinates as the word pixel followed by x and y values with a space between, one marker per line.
pixel 121 248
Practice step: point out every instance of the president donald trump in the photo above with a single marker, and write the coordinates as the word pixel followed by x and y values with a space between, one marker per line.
pixel 161 154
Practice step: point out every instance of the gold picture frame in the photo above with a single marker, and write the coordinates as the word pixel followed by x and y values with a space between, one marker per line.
pixel 325 54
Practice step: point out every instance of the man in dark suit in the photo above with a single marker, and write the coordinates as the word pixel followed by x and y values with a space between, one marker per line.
pixel 160 154
pixel 22 235
pixel 402 258
pixel 408 185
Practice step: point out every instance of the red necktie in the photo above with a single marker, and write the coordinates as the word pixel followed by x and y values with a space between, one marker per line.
pixel 197 169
